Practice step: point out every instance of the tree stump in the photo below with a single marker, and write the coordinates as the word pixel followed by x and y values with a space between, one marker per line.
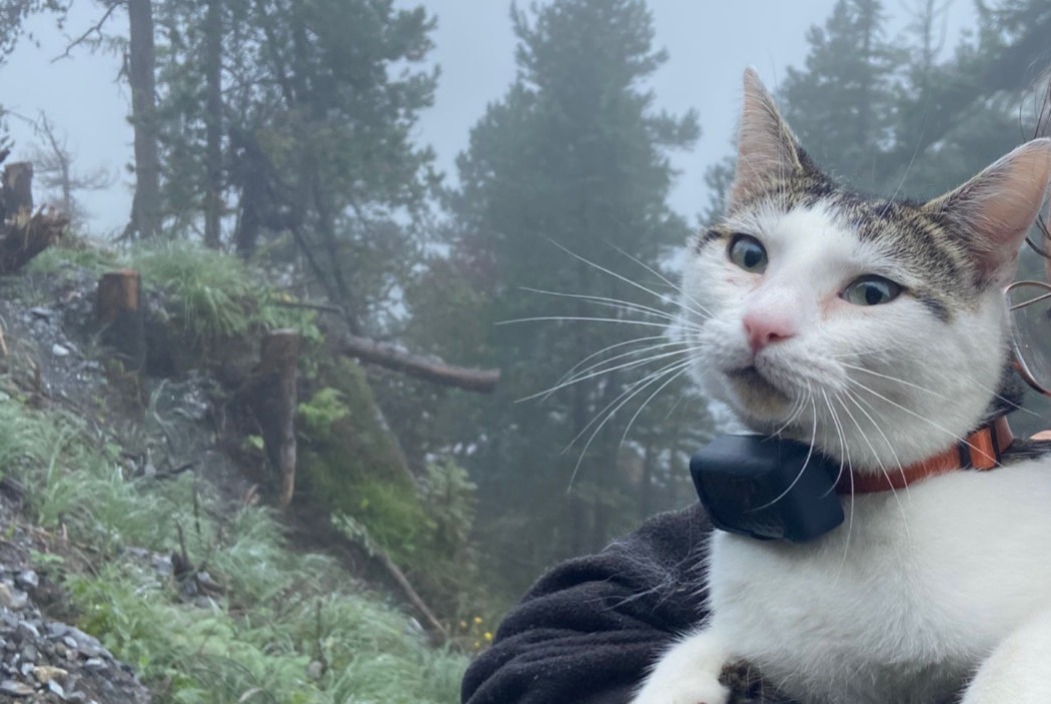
pixel 24 235
pixel 17 190
pixel 119 313
pixel 271 393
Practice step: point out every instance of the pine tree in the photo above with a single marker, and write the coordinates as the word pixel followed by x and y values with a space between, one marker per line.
pixel 841 105
pixel 573 155
pixel 317 112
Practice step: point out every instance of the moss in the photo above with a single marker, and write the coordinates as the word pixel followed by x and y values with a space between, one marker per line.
pixel 352 463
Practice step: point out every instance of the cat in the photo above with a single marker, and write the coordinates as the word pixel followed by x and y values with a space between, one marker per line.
pixel 876 331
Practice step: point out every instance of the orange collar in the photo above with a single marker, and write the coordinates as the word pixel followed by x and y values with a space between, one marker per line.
pixel 981 450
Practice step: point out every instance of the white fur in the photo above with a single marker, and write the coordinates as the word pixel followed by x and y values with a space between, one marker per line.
pixel 950 371
pixel 899 605
pixel 906 600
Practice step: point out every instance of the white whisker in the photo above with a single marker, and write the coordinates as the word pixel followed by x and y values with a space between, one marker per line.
pixel 609 348
pixel 625 396
pixel 586 374
pixel 615 274
pixel 610 302
pixel 583 319
pixel 912 413
pixel 700 309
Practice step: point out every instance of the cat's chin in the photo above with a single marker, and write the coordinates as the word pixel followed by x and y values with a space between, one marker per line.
pixel 755 398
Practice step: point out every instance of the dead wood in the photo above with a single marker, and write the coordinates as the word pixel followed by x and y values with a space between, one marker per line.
pixel 427 368
pixel 434 626
pixel 271 394
pixel 23 234
pixel 120 316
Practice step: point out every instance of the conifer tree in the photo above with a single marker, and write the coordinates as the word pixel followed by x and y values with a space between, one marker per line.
pixel 574 156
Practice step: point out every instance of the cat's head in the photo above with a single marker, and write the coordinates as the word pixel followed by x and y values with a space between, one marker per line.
pixel 875 329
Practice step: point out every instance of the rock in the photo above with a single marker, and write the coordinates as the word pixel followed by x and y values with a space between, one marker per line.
pixel 28 580
pixel 59 351
pixel 12 598
pixel 15 689
pixel 45 674
pixel 56 629
pixel 89 646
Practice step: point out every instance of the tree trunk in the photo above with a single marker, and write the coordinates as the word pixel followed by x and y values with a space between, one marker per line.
pixel 214 126
pixel 272 396
pixel 119 313
pixel 146 204
pixel 24 235
pixel 17 197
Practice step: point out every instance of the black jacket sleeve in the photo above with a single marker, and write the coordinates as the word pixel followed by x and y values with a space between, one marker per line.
pixel 587 631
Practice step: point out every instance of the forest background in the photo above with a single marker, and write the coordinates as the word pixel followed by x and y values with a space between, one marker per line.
pixel 284 134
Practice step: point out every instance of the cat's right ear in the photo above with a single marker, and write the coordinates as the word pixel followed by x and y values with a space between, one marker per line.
pixel 767 151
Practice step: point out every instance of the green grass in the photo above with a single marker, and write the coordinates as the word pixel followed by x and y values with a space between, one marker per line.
pixel 72 252
pixel 290 627
pixel 213 292
pixel 214 295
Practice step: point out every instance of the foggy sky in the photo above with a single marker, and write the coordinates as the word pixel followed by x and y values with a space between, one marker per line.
pixel 710 42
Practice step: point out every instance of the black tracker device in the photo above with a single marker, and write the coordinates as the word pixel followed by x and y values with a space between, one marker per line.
pixel 767 488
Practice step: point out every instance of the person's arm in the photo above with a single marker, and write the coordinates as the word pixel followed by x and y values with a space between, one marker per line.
pixel 588 630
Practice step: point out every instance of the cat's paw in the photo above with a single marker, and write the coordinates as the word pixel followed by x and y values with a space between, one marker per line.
pixel 694 687
pixel 688 673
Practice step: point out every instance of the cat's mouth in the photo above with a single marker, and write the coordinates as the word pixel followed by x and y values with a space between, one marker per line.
pixel 755 392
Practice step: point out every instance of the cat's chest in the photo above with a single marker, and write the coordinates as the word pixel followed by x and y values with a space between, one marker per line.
pixel 930 579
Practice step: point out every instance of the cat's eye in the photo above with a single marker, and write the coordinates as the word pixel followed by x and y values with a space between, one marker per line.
pixel 871 290
pixel 748 253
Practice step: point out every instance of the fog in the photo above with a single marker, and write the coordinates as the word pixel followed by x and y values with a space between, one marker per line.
pixel 709 44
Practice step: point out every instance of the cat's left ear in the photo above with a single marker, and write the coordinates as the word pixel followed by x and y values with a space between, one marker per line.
pixel 994 210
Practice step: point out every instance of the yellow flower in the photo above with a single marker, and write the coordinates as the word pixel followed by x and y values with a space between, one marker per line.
pixel 489 636
pixel 478 620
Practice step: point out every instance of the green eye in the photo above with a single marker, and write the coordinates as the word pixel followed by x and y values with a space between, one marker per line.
pixel 747 252
pixel 871 290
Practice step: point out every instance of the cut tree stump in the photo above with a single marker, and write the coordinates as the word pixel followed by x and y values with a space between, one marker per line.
pixel 23 235
pixel 119 313
pixel 271 394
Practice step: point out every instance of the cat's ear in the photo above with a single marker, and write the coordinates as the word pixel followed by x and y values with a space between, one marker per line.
pixel 994 210
pixel 766 149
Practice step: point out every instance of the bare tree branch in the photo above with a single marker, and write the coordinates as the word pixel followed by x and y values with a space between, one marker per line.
pixel 86 38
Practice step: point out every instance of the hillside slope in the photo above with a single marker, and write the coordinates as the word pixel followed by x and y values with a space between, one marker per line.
pixel 137 559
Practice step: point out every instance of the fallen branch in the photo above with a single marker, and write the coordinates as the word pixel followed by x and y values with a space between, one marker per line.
pixel 427 368
pixel 437 630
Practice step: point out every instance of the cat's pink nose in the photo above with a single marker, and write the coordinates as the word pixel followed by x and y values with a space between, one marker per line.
pixel 763 328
